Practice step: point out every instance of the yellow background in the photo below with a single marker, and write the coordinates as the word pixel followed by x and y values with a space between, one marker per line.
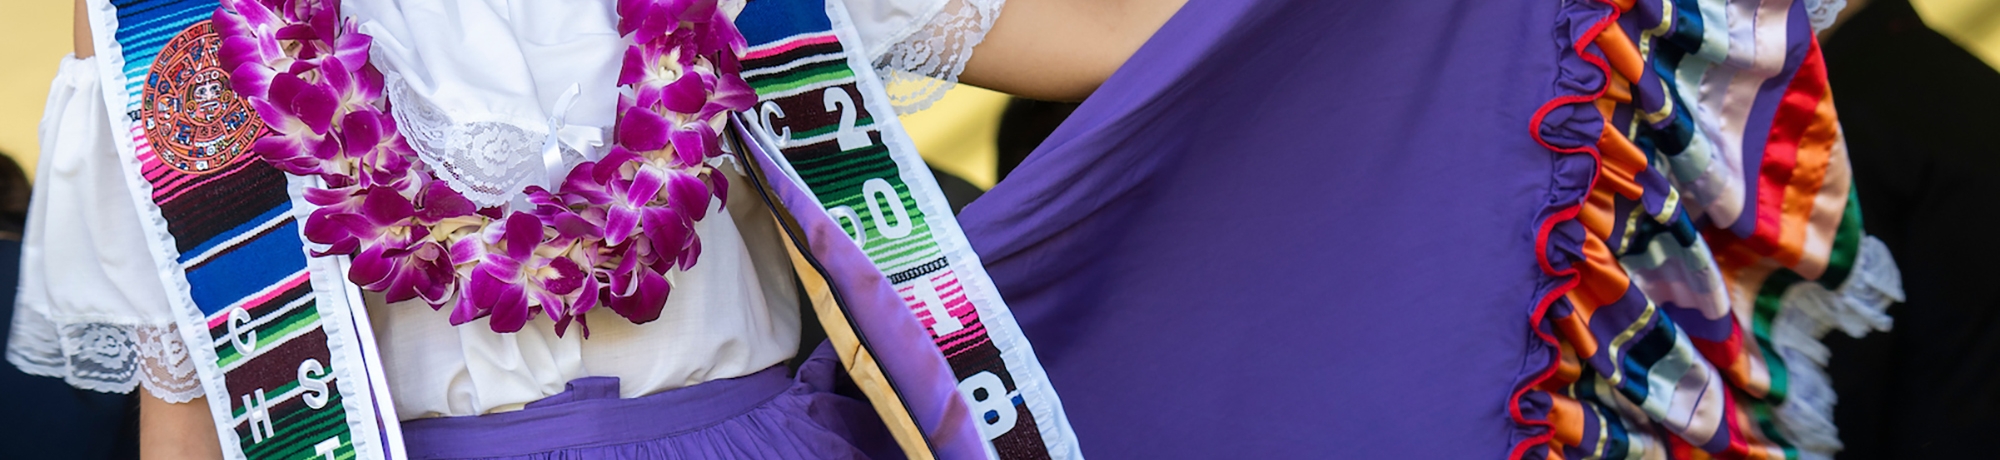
pixel 1974 24
pixel 956 134
pixel 34 36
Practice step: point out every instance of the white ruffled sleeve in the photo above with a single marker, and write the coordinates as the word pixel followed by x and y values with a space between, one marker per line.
pixel 91 309
pixel 920 46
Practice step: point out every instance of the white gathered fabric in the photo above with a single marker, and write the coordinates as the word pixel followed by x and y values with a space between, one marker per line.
pixel 474 85
pixel 91 308
pixel 925 43
pixel 1824 12
pixel 441 89
pixel 734 314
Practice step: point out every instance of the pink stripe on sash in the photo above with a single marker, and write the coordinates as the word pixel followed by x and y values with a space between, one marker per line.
pixel 790 45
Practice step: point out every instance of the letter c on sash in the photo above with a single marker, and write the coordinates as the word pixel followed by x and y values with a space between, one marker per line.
pixel 243 339
pixel 765 113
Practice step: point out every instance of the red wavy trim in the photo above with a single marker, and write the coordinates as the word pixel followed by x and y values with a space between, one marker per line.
pixel 1542 235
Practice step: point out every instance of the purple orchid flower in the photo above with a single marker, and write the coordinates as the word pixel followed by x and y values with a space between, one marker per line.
pixel 397 245
pixel 643 128
pixel 687 111
pixel 646 212
pixel 262 38
pixel 354 87
pixel 249 46
pixel 331 224
pixel 638 291
pixel 300 115
pixel 393 257
pixel 370 136
pixel 610 235
pixel 714 32
pixel 728 92
pixel 520 273
pixel 645 19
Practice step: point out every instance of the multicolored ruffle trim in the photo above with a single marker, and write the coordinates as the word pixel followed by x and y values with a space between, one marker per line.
pixel 1701 237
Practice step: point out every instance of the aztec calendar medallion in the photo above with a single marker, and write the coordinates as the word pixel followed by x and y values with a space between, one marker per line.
pixel 195 123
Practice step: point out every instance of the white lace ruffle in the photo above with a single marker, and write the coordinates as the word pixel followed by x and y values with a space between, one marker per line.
pixel 112 358
pixel 487 161
pixel 920 68
pixel 1809 311
pixel 1824 12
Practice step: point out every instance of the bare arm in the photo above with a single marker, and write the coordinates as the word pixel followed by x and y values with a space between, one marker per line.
pixel 1061 50
pixel 175 431
pixel 80 33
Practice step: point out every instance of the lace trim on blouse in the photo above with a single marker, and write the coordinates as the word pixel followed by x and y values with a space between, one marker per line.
pixel 919 69
pixel 487 161
pixel 107 357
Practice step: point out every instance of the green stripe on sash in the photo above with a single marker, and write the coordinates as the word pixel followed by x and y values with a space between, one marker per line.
pixel 790 81
pixel 304 317
pixel 305 429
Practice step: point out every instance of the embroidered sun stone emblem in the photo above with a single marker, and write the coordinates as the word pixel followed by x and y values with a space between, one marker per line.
pixel 193 119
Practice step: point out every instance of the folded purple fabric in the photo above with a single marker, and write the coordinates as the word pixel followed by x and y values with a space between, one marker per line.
pixel 762 415
pixel 1293 229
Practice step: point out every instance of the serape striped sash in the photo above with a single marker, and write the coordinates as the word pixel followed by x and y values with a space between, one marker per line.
pixel 273 340
pixel 823 109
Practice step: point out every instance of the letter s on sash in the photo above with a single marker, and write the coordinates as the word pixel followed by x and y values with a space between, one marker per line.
pixel 315 386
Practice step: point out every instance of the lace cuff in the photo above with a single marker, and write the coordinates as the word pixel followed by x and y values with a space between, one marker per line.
pixel 112 358
pixel 919 69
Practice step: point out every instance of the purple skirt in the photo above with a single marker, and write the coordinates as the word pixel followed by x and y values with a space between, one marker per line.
pixel 761 415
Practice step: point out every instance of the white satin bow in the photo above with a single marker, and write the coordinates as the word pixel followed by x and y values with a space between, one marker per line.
pixel 565 147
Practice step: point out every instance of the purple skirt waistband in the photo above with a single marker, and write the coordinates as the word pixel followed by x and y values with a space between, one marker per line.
pixel 762 415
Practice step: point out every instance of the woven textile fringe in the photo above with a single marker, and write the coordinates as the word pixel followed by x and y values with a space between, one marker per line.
pixel 1809 312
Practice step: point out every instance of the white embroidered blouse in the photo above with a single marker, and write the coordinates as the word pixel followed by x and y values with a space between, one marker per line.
pixel 478 86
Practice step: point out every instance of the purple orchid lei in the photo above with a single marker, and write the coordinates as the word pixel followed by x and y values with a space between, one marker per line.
pixel 611 232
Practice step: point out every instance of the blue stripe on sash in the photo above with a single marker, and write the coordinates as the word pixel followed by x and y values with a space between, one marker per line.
pixel 142 43
pixel 280 212
pixel 780 19
pixel 252 267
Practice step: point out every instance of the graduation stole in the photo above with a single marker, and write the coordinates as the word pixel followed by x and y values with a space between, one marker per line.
pixel 281 340
pixel 862 209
